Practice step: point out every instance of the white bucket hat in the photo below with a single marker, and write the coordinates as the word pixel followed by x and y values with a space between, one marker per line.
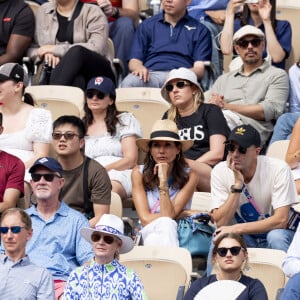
pixel 164 130
pixel 181 73
pixel 111 225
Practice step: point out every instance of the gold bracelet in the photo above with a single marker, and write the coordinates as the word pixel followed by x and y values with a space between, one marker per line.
pixel 163 188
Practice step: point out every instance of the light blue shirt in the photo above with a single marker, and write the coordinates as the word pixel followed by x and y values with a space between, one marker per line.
pixel 197 8
pixel 56 244
pixel 23 280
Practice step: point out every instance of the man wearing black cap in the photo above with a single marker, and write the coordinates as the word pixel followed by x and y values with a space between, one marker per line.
pixel 56 243
pixel 252 192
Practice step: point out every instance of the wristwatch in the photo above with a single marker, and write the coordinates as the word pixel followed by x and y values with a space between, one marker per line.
pixel 233 189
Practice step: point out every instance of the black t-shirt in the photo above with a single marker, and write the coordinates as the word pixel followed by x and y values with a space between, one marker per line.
pixel 254 288
pixel 16 18
pixel 206 121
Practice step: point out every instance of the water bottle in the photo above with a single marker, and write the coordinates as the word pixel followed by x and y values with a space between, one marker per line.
pixel 155 4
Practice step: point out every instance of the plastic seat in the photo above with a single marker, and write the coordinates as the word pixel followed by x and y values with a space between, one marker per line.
pixel 146 104
pixel 278 149
pixel 201 201
pixel 164 271
pixel 116 207
pixel 59 99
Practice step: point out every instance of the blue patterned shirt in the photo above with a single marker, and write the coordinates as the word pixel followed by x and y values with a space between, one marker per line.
pixel 105 282
pixel 56 244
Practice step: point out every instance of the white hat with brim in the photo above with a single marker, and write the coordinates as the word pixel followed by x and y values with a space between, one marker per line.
pixel 181 73
pixel 164 130
pixel 247 30
pixel 110 225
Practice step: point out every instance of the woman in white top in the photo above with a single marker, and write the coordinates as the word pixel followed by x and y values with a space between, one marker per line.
pixel 111 134
pixel 26 129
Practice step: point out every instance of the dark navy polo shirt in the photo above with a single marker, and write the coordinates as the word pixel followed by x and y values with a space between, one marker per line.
pixel 162 47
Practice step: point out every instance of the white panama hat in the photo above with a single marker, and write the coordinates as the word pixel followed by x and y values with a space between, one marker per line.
pixel 111 225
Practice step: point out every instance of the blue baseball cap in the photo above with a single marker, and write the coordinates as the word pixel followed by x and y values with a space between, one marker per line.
pixel 102 84
pixel 49 163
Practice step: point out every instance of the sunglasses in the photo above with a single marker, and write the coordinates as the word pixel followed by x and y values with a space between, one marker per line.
pixel 231 148
pixel 99 95
pixel 48 177
pixel 222 251
pixel 13 229
pixel 244 43
pixel 179 84
pixel 108 239
pixel 67 135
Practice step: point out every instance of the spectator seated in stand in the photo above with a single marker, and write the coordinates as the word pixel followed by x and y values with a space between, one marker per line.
pixel 26 129
pixel 17 30
pixel 168 40
pixel 253 192
pixel 56 243
pixel 163 187
pixel 19 277
pixel 71 39
pixel 203 123
pixel 87 187
pixel 111 134
pixel 230 247
pixel 12 171
pixel 256 93
pixel 261 15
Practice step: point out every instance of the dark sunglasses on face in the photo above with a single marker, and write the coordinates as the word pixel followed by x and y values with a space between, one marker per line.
pixel 48 177
pixel 13 229
pixel 222 251
pixel 244 43
pixel 179 84
pixel 67 135
pixel 99 95
pixel 231 148
pixel 108 239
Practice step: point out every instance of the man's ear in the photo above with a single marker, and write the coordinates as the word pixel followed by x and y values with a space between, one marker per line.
pixel 236 48
pixel 1 129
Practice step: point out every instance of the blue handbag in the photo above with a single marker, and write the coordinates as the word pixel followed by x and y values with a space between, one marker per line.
pixel 195 234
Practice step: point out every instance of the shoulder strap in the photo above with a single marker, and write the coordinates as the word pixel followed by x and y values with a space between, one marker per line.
pixel 251 199
pixel 70 27
pixel 86 197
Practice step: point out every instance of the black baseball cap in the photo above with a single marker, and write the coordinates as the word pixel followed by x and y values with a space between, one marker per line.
pixel 245 136
pixel 13 71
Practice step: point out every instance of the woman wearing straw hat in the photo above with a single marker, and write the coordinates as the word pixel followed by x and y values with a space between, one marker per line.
pixel 202 122
pixel 163 187
pixel 104 277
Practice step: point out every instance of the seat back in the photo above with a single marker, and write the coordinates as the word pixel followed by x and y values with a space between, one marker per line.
pixel 163 270
pixel 278 149
pixel 116 207
pixel 59 99
pixel 201 201
pixel 265 264
pixel 146 104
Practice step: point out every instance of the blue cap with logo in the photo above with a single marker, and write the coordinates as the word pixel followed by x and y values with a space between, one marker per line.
pixel 102 84
pixel 49 163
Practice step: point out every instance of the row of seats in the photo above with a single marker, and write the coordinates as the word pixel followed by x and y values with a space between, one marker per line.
pixel 167 272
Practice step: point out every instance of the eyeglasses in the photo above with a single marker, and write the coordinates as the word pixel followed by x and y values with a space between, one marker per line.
pixel 108 239
pixel 99 95
pixel 222 251
pixel 244 43
pixel 179 84
pixel 231 148
pixel 67 135
pixel 48 177
pixel 13 229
